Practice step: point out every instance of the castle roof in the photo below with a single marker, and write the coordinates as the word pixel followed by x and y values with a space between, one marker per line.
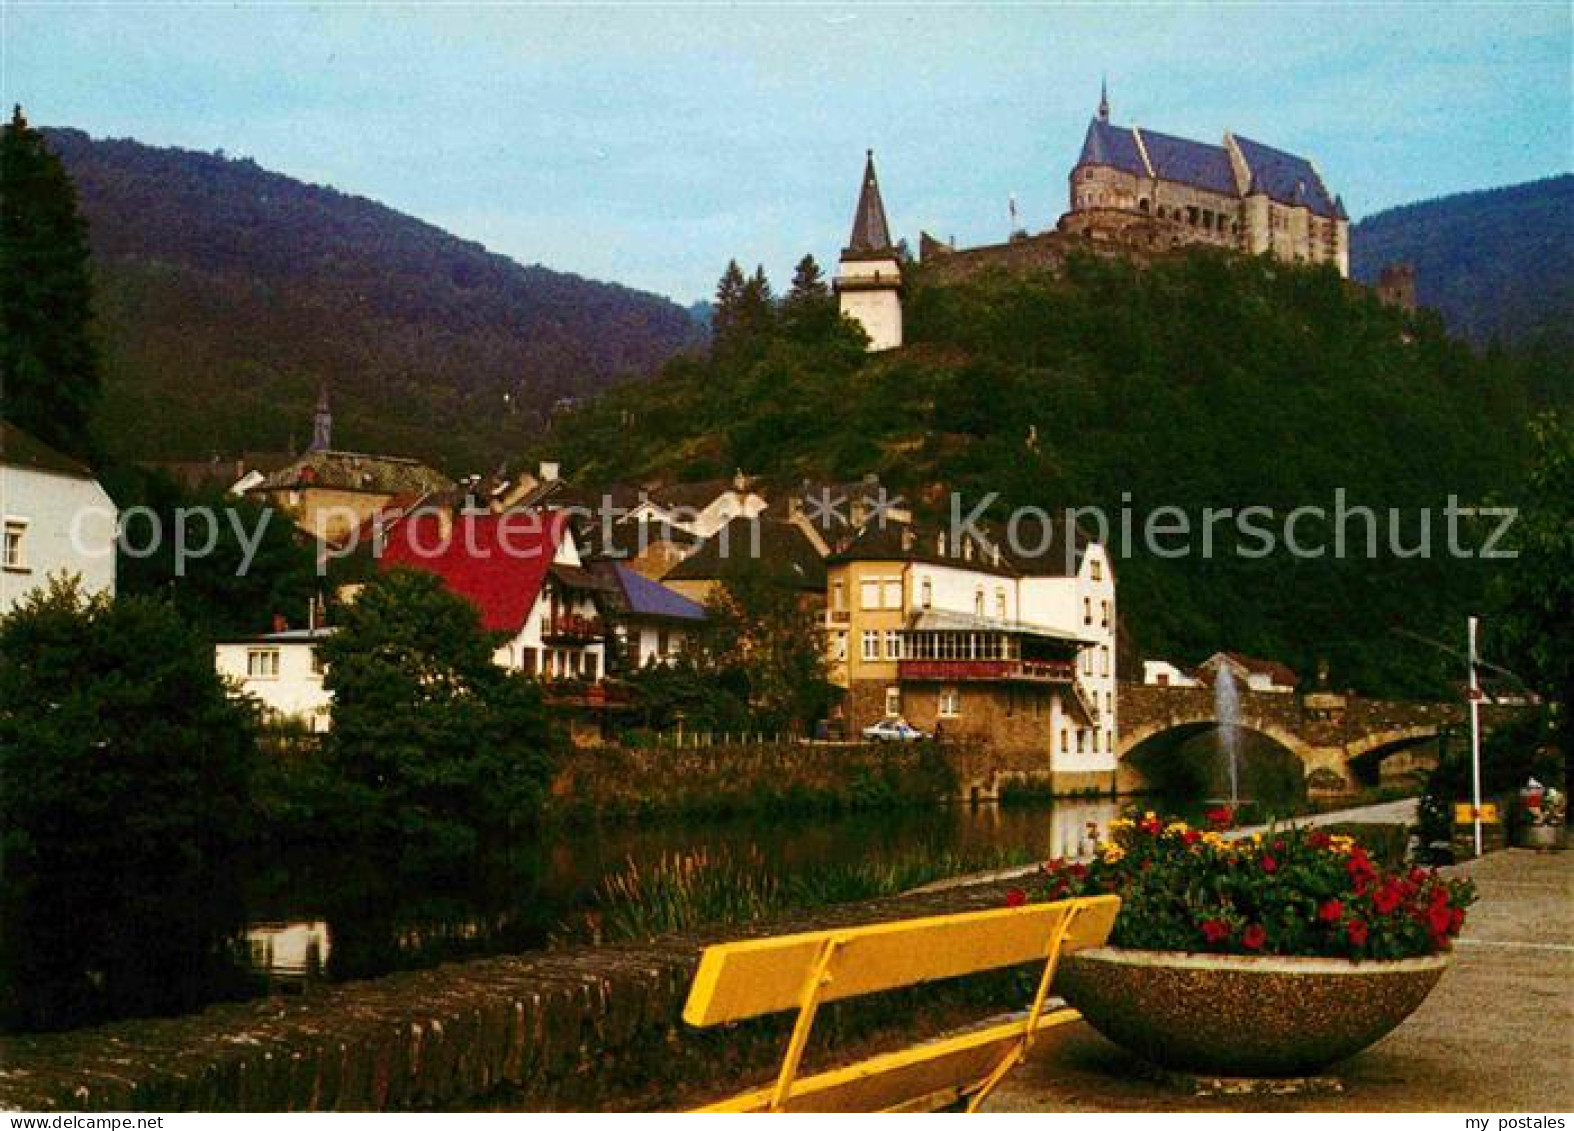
pixel 870 231
pixel 1189 162
pixel 1287 178
pixel 1113 146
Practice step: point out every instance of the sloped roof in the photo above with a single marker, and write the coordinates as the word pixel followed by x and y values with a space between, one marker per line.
pixel 497 562
pixel 1113 146
pixel 1280 674
pixel 870 231
pixel 1190 162
pixel 637 595
pixel 19 449
pixel 1055 552
pixel 628 537
pixel 781 545
pixel 1287 178
pixel 357 471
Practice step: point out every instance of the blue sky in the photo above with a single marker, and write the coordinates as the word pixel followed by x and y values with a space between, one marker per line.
pixel 649 143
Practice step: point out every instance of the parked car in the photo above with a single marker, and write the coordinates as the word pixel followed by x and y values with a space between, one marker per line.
pixel 893 730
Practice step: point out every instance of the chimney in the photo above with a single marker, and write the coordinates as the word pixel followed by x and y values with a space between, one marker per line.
pixel 548 471
pixel 279 623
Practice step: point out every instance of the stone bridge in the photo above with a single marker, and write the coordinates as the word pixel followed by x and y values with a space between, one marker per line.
pixel 1358 739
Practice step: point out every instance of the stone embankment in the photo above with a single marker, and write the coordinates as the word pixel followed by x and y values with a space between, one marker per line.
pixel 579 1027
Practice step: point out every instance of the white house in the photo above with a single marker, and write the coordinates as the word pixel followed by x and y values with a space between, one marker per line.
pixel 1162 673
pixel 57 520
pixel 282 671
pixel 1255 674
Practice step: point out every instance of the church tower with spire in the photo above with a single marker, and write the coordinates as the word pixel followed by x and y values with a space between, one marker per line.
pixel 868 275
pixel 322 424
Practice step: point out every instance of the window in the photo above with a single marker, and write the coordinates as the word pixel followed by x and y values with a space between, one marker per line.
pixel 893 644
pixel 1104 660
pixel 839 647
pixel 663 642
pixel 871 647
pixel 11 556
pixel 950 703
pixel 978 601
pixel 1097 567
pixel 1105 613
pixel 318 668
pixel 838 596
pixel 1000 604
pixel 1087 610
pixel 1065 741
pixel 891 593
pixel 869 593
pixel 262 663
pixel 893 702
pixel 1082 740
pixel 929 593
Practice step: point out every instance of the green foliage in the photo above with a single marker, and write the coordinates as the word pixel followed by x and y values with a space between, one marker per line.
pixel 687 692
pixel 1200 381
pixel 48 358
pixel 447 750
pixel 125 776
pixel 227 295
pixel 222 591
pixel 764 642
pixel 1537 595
pixel 1294 891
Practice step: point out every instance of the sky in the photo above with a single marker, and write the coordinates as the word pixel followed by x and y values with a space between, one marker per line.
pixel 649 143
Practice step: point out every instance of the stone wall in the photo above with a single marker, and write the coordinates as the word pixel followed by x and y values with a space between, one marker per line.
pixel 576 1028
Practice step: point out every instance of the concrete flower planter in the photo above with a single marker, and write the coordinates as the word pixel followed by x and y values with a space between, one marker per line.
pixel 1243 1015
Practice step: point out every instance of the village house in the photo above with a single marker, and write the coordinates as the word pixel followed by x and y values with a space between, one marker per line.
pixel 651 623
pixel 961 637
pixel 281 670
pixel 1162 673
pixel 57 520
pixel 331 494
pixel 790 549
pixel 1250 672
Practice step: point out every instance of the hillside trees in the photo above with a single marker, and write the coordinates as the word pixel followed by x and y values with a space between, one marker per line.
pixel 48 358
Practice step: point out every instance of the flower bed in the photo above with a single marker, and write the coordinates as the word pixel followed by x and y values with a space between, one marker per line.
pixel 1294 891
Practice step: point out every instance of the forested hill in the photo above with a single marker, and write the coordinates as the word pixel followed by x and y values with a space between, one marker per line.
pixel 1498 264
pixel 1205 380
pixel 227 293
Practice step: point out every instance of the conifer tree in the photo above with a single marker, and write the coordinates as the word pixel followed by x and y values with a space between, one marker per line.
pixel 49 376
pixel 809 310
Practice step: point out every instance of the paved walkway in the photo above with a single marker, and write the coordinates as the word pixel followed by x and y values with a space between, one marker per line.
pixel 1496 1035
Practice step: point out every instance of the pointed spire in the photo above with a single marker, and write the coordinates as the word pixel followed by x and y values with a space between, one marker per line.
pixel 322 425
pixel 1104 99
pixel 870 232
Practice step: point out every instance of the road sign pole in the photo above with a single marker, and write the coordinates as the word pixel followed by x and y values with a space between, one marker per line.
pixel 1475 737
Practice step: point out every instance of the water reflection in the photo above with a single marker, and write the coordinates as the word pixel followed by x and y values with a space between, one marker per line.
pixel 320 916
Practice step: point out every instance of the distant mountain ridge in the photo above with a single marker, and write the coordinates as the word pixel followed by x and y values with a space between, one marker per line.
pixel 226 294
pixel 1497 264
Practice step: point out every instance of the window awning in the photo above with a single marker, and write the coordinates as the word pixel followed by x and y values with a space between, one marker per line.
pixel 941 620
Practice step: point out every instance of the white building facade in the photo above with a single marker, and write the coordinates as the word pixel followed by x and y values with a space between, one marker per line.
pixel 57 521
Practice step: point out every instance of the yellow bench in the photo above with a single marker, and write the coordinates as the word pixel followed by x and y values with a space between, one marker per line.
pixel 756 977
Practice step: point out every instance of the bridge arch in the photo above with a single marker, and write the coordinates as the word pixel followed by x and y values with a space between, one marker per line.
pixel 1159 738
pixel 1392 753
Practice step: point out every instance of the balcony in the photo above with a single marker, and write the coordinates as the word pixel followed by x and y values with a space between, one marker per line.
pixel 974 671
pixel 572 629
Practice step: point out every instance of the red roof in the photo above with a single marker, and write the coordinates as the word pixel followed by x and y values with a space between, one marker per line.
pixel 496 561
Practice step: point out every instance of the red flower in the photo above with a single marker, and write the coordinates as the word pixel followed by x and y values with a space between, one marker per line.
pixel 1016 897
pixel 1387 898
pixel 1215 930
pixel 1356 931
pixel 1331 912
pixel 1221 818
pixel 1360 868
pixel 1270 864
pixel 1152 826
pixel 1438 918
pixel 1079 870
pixel 1190 836
pixel 1254 937
pixel 1319 840
pixel 1456 920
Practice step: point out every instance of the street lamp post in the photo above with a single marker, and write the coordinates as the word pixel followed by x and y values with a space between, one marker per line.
pixel 1475 736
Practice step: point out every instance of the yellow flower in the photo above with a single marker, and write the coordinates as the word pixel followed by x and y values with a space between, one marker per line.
pixel 1177 828
pixel 1343 845
pixel 1121 824
pixel 1113 853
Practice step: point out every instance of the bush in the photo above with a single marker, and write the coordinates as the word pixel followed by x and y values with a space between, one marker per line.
pixel 125 774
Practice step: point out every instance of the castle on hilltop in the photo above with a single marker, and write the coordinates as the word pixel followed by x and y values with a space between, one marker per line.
pixel 1242 195
pixel 1133 192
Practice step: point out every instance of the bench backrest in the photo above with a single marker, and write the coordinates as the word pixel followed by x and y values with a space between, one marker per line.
pixel 759 976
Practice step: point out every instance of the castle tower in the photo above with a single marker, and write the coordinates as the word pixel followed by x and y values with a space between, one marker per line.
pixel 868 276
pixel 322 423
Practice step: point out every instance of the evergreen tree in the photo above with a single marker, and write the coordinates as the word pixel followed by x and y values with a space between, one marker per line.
pixel 48 362
pixel 809 310
pixel 745 318
pixel 729 302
